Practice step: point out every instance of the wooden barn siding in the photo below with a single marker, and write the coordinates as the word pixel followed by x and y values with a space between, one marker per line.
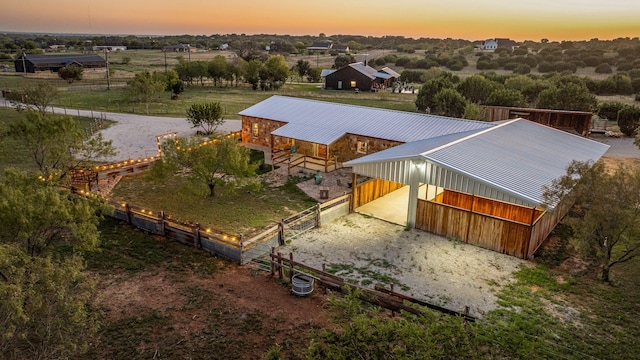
pixel 545 225
pixel 373 189
pixel 346 75
pixel 492 207
pixel 476 229
pixel 265 128
pixel 567 121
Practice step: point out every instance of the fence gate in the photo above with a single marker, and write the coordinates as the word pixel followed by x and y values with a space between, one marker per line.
pixel 300 222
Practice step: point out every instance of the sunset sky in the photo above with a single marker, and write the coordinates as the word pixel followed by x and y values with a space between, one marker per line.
pixel 464 19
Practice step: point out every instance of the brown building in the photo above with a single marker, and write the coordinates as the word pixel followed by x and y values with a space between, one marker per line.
pixel 359 76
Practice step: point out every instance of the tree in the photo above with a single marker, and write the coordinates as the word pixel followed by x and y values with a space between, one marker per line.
pixel 144 87
pixel 449 102
pixel 629 119
pixel 40 95
pixel 206 116
pixel 71 73
pixel 567 96
pixel 46 302
pixel 605 217
pixel 217 69
pixel 222 163
pixel 506 97
pixel 314 75
pixel 343 60
pixel 57 143
pixel 609 110
pixel 426 94
pixel 274 72
pixel 252 73
pixel 302 67
pixel 477 88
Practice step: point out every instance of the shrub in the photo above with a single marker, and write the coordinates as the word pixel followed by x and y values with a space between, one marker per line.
pixel 455 65
pixel 604 68
pixel 506 97
pixel 380 61
pixel 426 64
pixel 522 69
pixel 609 110
pixel 565 67
pixel 629 119
pixel 546 67
pixel 402 61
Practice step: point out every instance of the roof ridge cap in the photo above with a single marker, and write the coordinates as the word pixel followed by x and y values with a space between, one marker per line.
pixel 483 131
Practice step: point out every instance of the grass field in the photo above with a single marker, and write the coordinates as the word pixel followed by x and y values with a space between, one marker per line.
pixel 240 212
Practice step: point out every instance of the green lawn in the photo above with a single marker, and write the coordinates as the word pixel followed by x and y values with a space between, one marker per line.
pixel 240 212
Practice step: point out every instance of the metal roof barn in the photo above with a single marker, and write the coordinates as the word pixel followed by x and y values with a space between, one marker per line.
pixel 321 122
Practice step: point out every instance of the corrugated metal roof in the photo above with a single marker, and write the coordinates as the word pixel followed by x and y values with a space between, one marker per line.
pixel 313 134
pixel 364 69
pixel 382 75
pixel 512 161
pixel 331 118
pixel 326 72
pixel 63 59
pixel 390 71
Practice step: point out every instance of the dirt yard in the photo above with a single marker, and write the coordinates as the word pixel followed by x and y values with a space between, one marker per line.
pixel 426 266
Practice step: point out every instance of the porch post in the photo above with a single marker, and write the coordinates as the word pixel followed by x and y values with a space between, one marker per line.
pixel 414 185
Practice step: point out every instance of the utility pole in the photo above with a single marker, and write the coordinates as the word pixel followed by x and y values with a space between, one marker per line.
pixel 24 68
pixel 106 59
pixel 165 61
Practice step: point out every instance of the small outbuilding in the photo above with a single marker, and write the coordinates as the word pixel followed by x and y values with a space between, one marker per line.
pixel 359 76
pixel 577 122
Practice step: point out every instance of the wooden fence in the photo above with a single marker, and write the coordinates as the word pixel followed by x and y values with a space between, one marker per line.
pixel 371 190
pixel 237 248
pixel 286 267
pixel 487 230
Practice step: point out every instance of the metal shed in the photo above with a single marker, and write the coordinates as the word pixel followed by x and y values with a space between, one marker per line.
pixel 484 186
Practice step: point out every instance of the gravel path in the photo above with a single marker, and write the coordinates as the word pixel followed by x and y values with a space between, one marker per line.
pixel 134 136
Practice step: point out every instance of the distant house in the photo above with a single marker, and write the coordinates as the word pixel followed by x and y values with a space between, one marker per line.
pixel 55 48
pixel 359 76
pixel 109 47
pixel 179 48
pixel 490 45
pixel 343 49
pixel 53 63
pixel 320 46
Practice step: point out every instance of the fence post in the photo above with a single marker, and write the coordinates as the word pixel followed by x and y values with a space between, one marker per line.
pixel 281 238
pixel 290 267
pixel 162 231
pixel 280 272
pixel 318 224
pixel 196 236
pixel 127 209
pixel 241 249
